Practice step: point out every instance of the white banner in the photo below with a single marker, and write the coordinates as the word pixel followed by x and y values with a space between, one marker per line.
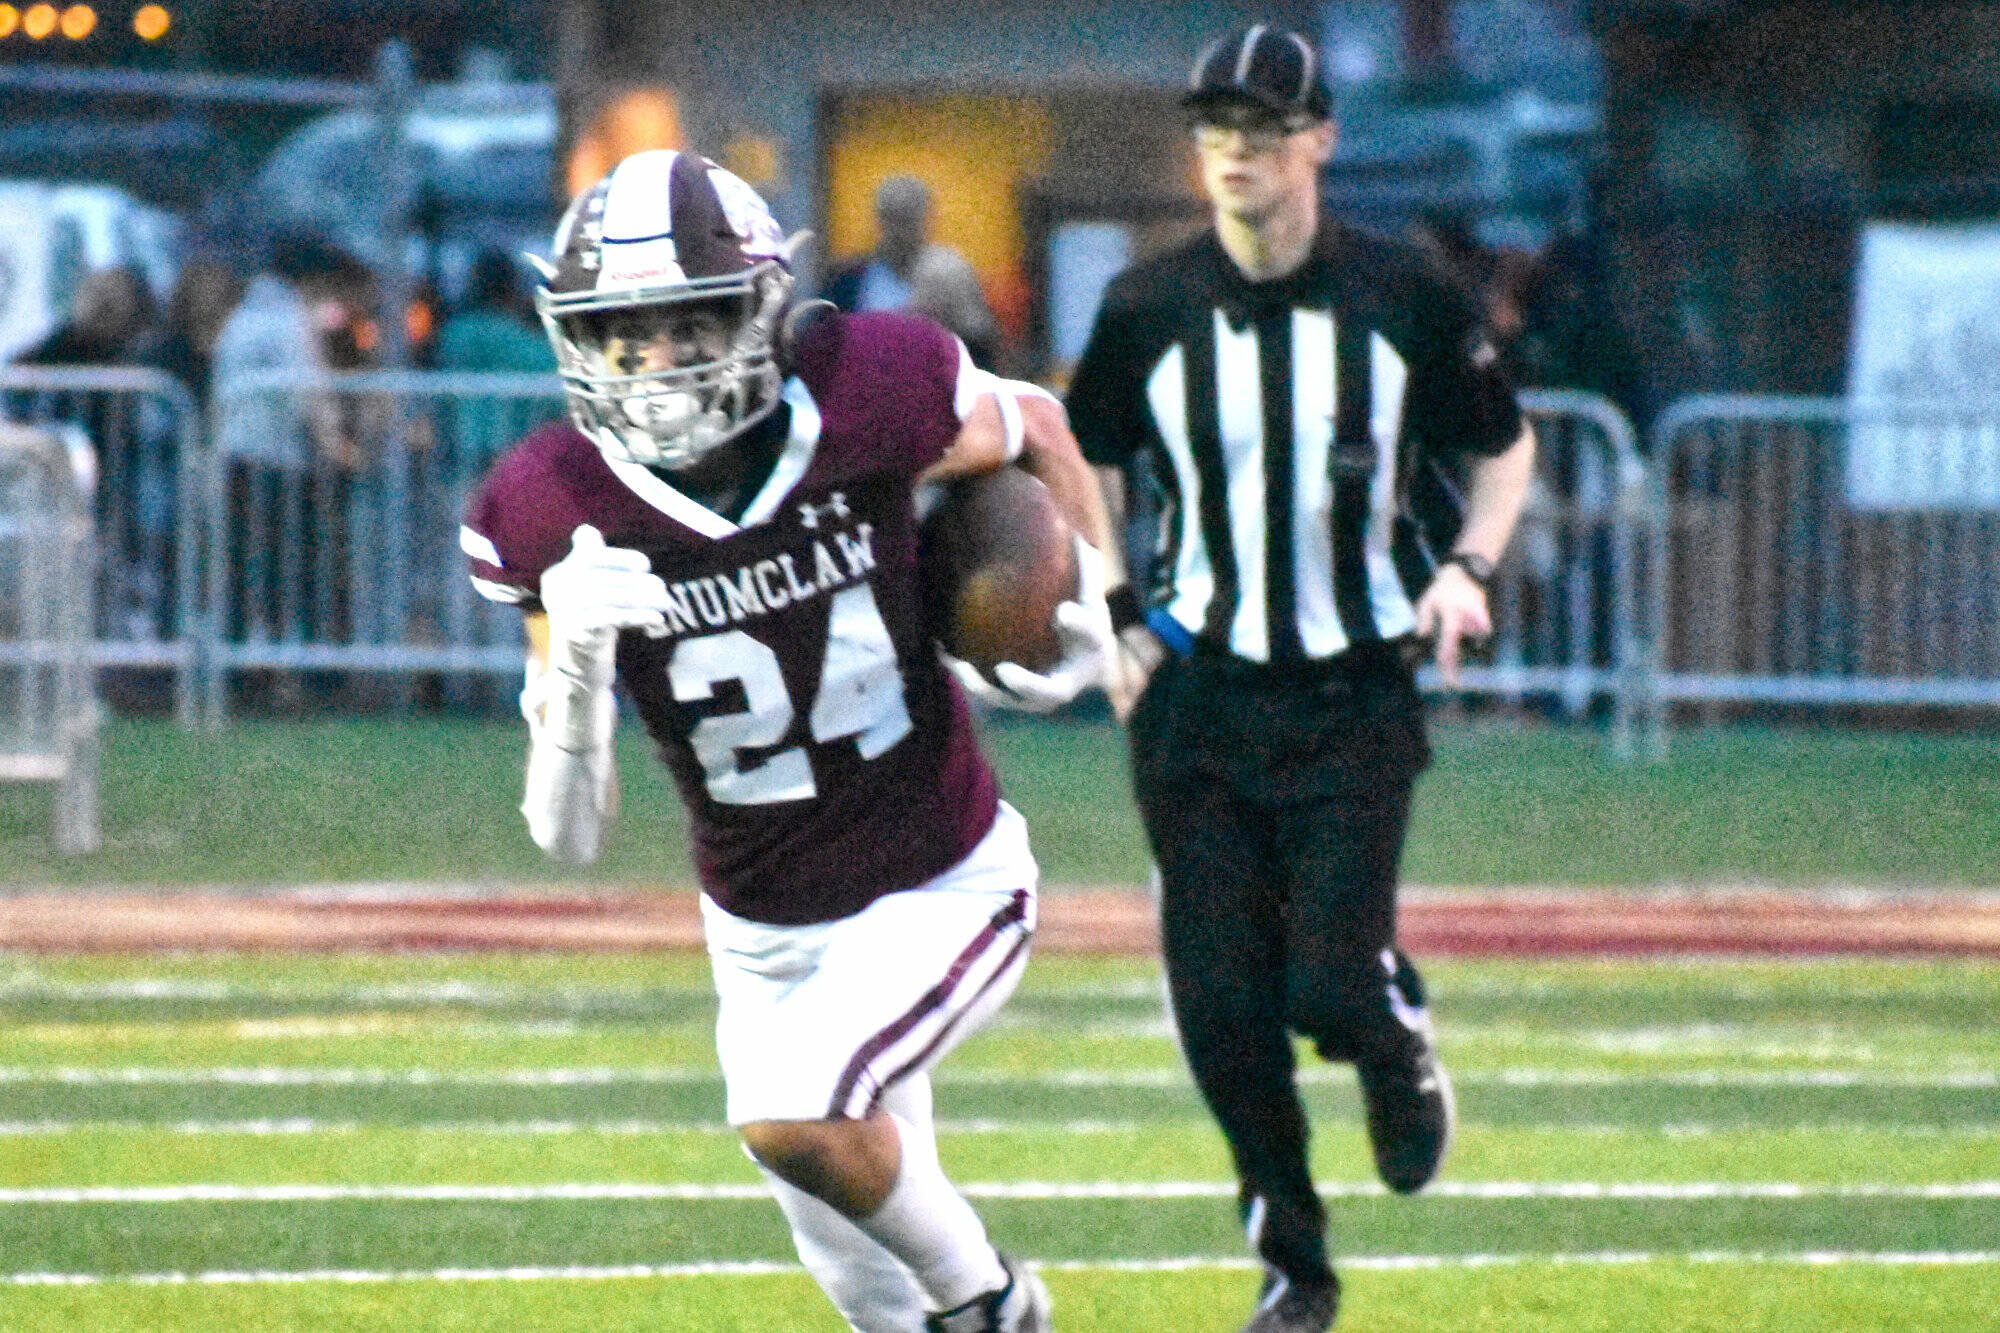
pixel 1924 369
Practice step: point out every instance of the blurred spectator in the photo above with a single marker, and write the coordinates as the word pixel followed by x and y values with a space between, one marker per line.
pixel 1512 278
pixel 494 331
pixel 1497 277
pixel 142 560
pixel 495 328
pixel 109 319
pixel 112 310
pixel 183 343
pixel 343 296
pixel 283 324
pixel 1449 235
pixel 287 451
pixel 1549 314
pixel 1551 318
pixel 1570 336
pixel 421 325
pixel 909 271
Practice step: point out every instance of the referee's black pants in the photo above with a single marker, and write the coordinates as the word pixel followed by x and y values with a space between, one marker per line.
pixel 1276 801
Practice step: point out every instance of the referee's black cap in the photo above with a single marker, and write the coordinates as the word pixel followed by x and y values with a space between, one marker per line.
pixel 1270 66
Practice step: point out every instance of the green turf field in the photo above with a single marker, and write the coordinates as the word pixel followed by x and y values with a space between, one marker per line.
pixel 487 1141
pixel 434 799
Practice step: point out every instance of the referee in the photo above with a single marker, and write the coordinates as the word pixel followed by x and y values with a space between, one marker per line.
pixel 1289 388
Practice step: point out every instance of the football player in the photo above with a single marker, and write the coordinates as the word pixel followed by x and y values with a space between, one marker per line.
pixel 728 525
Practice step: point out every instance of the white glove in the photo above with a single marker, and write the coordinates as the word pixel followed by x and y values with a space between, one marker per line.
pixel 1089 649
pixel 597 590
pixel 591 594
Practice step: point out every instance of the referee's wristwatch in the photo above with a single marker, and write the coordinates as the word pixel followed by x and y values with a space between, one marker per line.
pixel 1474 566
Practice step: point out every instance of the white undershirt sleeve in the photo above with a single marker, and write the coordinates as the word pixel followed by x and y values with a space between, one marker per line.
pixel 974 384
pixel 567 795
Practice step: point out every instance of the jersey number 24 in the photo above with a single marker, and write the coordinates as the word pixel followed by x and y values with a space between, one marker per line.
pixel 860 695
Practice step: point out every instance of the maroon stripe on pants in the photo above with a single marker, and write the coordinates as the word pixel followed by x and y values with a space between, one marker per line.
pixel 944 1033
pixel 927 1004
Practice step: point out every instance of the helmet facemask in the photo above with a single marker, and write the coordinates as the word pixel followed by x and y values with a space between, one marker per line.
pixel 665 375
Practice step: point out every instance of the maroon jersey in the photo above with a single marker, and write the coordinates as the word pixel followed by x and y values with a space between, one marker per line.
pixel 824 753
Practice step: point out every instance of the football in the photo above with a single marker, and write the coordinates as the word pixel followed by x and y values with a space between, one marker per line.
pixel 998 558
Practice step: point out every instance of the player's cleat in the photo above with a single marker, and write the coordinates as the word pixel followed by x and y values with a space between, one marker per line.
pixel 1022 1306
pixel 1284 1306
pixel 1408 1097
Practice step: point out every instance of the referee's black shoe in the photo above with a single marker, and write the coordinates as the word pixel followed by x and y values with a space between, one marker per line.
pixel 1408 1095
pixel 1284 1306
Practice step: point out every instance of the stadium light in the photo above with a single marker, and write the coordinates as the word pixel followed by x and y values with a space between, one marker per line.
pixel 78 22
pixel 39 21
pixel 151 22
pixel 10 19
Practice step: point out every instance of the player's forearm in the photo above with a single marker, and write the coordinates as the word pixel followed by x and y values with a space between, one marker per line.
pixel 1050 453
pixel 1498 490
pixel 565 800
pixel 571 715
pixel 1012 421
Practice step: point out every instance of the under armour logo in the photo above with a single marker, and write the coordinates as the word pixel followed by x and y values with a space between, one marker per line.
pixel 809 514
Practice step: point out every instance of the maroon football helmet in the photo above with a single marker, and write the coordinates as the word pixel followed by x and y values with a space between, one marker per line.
pixel 669 252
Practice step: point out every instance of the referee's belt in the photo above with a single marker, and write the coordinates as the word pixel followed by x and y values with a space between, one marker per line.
pixel 1366 657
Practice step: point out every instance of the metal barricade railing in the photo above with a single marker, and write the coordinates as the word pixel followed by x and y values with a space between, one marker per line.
pixel 1571 598
pixel 333 506
pixel 144 428
pixel 1827 552
pixel 314 530
pixel 48 703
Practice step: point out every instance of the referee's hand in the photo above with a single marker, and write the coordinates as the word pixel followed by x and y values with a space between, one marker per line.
pixel 1452 610
pixel 1139 652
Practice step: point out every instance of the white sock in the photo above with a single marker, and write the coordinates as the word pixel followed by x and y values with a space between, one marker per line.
pixel 930 1227
pixel 868 1285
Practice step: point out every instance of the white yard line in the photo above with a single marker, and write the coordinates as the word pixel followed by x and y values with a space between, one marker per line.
pixel 600 1076
pixel 1729 1078
pixel 1770 1038
pixel 462 993
pixel 1175 1264
pixel 1401 1261
pixel 528 1128
pixel 1029 1190
pixel 523 1128
pixel 295 1076
pixel 179 989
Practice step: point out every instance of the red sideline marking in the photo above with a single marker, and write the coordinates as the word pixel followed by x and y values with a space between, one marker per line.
pixel 1545 923
pixel 1518 922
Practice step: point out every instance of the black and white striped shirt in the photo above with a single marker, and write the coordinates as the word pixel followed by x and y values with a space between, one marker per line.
pixel 1282 419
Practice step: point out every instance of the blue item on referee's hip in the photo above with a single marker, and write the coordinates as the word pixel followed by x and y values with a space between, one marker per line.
pixel 1170 631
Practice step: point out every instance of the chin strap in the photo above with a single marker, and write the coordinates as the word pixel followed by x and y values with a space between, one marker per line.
pixel 793 326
